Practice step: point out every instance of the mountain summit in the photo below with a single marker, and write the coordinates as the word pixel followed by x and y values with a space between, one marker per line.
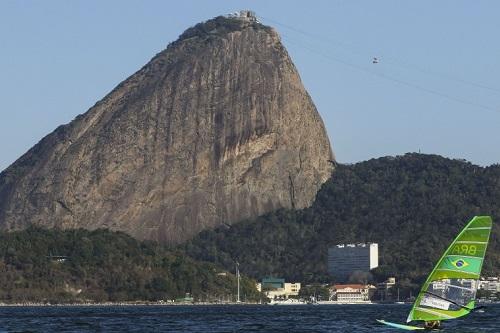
pixel 215 129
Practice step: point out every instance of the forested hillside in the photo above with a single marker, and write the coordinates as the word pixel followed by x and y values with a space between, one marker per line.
pixel 104 266
pixel 412 205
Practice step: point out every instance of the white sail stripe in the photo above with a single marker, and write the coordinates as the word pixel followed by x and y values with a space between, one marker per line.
pixel 459 256
pixel 433 312
pixel 477 228
pixel 455 270
pixel 470 242
pixel 460 287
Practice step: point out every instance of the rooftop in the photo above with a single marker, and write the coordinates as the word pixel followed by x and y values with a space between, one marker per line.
pixel 355 245
pixel 348 286
pixel 273 280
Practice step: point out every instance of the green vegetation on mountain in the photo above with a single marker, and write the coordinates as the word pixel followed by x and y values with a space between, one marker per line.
pixel 412 205
pixel 104 266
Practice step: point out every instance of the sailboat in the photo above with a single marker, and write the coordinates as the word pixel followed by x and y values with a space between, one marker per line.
pixel 450 290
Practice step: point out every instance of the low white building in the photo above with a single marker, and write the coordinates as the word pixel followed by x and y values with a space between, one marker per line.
pixel 490 284
pixel 278 288
pixel 440 285
pixel 387 284
pixel 350 293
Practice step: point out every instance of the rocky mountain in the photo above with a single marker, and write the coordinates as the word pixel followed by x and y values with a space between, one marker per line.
pixel 215 129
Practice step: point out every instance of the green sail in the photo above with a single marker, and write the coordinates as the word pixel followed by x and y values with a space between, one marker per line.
pixel 450 290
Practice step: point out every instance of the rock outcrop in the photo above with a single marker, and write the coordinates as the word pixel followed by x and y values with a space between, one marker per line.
pixel 215 129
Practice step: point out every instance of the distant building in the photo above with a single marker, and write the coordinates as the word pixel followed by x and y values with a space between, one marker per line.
pixel 186 299
pixel 391 282
pixel 273 283
pixel 59 259
pixel 439 285
pixel 491 284
pixel 350 293
pixel 244 15
pixel 384 288
pixel 345 259
pixel 278 288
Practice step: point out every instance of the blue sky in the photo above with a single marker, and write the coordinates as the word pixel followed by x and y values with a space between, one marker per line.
pixel 436 88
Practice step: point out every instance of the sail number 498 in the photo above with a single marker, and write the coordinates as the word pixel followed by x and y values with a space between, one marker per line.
pixel 464 249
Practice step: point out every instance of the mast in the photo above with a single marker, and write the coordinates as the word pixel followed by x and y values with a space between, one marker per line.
pixel 238 280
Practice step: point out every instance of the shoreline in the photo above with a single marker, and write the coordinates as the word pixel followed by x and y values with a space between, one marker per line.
pixel 110 304
pixel 126 304
pixel 144 304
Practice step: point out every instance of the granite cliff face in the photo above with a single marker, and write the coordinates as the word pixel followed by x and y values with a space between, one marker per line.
pixel 214 129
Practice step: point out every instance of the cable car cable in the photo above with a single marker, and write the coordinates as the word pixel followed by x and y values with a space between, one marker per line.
pixel 387 59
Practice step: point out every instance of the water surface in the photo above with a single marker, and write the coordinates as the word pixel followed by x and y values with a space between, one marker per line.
pixel 225 318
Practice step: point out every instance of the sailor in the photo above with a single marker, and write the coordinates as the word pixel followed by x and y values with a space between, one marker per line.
pixel 432 325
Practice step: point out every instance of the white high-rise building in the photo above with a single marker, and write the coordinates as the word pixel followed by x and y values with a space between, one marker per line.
pixel 345 259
